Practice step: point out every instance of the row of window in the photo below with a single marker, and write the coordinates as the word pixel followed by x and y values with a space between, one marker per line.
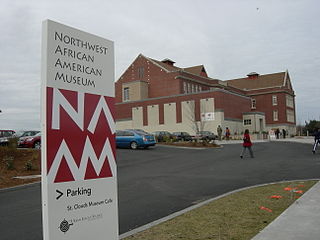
pixel 289 101
pixel 290 117
pixel 191 88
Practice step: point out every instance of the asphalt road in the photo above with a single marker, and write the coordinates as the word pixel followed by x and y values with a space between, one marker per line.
pixel 157 182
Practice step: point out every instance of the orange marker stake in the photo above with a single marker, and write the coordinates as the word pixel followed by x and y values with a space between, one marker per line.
pixel 266 209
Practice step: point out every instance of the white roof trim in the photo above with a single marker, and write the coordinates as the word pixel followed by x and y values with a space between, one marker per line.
pixel 155 63
pixel 285 78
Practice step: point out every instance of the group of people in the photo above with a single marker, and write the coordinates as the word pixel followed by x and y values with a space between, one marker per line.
pixel 227 133
pixel 277 133
pixel 247 144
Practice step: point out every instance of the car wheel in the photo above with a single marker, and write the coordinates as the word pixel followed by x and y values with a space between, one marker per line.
pixel 133 145
pixel 37 145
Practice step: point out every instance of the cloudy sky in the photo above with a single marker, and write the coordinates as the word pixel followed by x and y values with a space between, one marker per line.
pixel 229 37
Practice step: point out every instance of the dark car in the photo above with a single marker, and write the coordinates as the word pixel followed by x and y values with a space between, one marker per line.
pixel 134 139
pixel 182 136
pixel 206 135
pixel 30 141
pixel 5 135
pixel 162 136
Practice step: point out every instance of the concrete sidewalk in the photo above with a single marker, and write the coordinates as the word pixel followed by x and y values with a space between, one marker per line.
pixel 301 221
pixel 307 140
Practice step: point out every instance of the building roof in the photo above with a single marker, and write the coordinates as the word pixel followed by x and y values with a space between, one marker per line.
pixel 165 66
pixel 195 70
pixel 261 81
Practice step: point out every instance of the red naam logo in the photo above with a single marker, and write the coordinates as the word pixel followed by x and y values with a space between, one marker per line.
pixel 80 136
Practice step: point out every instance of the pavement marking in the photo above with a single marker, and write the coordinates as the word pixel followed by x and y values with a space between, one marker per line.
pixel 176 214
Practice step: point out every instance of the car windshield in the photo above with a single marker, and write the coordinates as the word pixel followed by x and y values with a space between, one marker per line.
pixel 38 134
pixel 7 134
pixel 141 132
pixel 205 132
pixel 19 133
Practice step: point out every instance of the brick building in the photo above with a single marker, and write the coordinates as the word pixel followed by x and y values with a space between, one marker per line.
pixel 156 95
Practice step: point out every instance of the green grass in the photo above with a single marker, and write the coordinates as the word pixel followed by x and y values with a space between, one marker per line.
pixel 237 216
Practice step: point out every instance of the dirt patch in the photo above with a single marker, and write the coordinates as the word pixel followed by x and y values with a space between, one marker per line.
pixel 18 162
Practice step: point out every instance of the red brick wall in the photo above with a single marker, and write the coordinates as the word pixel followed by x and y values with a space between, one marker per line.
pixel 160 82
pixel 233 105
pixel 264 104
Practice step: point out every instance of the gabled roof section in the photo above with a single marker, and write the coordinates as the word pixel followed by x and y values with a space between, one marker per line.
pixel 260 82
pixel 196 70
pixel 164 66
pixel 287 81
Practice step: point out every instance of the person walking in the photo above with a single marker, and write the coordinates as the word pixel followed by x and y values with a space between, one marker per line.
pixel 227 133
pixel 316 140
pixel 284 133
pixel 246 144
pixel 219 131
pixel 277 133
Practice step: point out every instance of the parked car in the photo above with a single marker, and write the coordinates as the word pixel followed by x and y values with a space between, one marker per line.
pixel 30 141
pixel 27 133
pixel 206 135
pixel 184 136
pixel 134 139
pixel 161 136
pixel 5 135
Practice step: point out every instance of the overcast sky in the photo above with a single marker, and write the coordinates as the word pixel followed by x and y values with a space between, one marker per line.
pixel 229 37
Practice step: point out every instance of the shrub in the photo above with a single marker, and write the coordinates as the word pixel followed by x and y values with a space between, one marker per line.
pixel 8 160
pixel 29 165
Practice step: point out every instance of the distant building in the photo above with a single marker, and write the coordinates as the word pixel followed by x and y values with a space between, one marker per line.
pixel 156 95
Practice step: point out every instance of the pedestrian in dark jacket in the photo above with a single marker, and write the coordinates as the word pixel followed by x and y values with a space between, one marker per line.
pixel 316 140
pixel 246 144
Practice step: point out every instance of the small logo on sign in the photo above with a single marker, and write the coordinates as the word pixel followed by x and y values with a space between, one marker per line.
pixel 64 226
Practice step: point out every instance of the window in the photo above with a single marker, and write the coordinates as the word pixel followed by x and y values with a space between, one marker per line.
pixel 290 115
pixel 141 72
pixel 189 88
pixel 274 100
pixel 275 115
pixel 184 87
pixel 247 122
pixel 197 88
pixel 253 103
pixel 192 88
pixel 289 101
pixel 126 94
pixel 200 88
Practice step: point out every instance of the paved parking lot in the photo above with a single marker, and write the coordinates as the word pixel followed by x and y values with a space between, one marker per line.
pixel 156 182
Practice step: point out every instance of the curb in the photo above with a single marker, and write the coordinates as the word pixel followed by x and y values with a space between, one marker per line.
pixel 9 189
pixel 176 214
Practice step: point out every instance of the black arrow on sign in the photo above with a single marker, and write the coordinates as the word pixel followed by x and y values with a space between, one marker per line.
pixel 60 194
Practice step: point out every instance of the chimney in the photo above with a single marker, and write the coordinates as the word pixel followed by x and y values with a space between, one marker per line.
pixel 253 75
pixel 168 61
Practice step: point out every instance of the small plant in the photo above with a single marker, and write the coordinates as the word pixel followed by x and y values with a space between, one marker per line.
pixel 8 160
pixel 29 165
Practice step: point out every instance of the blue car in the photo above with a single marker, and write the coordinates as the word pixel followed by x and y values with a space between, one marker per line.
pixel 134 138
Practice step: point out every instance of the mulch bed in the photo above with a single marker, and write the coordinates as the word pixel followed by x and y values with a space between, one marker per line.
pixel 18 162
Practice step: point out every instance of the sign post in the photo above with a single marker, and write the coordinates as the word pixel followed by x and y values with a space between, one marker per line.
pixel 79 178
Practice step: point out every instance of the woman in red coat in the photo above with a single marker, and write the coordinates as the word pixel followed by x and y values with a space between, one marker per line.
pixel 246 144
